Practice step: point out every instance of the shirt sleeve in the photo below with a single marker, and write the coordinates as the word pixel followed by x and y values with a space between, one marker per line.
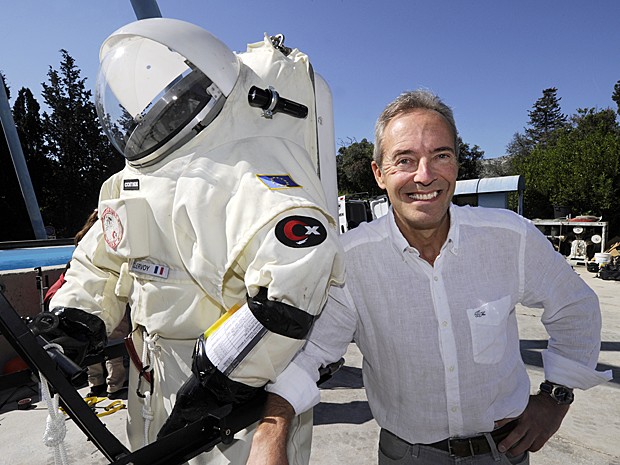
pixel 331 334
pixel 571 315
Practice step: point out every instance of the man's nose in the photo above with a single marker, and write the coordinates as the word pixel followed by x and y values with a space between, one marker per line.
pixel 425 173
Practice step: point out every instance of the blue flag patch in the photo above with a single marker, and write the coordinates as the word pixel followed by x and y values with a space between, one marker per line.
pixel 277 181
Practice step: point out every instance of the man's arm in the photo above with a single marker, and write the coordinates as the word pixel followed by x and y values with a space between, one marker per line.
pixel 295 390
pixel 572 319
pixel 270 439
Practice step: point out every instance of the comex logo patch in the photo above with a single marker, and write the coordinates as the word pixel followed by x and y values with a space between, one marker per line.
pixel 300 231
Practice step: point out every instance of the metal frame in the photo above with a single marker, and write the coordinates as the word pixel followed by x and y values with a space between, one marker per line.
pixel 567 225
pixel 176 448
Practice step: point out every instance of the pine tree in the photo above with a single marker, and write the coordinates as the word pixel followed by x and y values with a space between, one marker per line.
pixel 545 117
pixel 27 117
pixel 82 156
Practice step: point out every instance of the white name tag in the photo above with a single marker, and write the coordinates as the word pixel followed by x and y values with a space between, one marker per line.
pixel 151 269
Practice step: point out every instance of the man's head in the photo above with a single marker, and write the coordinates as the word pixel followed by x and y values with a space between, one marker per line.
pixel 406 102
pixel 416 161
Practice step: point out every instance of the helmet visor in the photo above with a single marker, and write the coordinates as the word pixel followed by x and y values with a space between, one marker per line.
pixel 147 96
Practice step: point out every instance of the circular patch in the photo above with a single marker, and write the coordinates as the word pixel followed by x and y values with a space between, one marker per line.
pixel 112 228
pixel 300 231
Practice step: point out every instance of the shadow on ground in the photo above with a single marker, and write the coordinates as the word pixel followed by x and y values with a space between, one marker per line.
pixel 356 413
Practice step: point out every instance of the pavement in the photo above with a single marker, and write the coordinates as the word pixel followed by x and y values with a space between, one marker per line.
pixel 345 431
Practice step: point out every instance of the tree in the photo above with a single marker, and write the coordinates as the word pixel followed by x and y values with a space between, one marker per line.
pixel 616 96
pixel 15 224
pixel 546 121
pixel 82 157
pixel 354 171
pixel 27 117
pixel 578 168
pixel 545 117
pixel 470 166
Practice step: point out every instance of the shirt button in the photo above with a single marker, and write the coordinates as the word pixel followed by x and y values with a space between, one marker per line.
pixel 436 278
pixel 454 409
pixel 451 368
pixel 444 323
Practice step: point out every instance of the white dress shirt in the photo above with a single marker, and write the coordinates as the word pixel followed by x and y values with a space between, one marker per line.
pixel 441 343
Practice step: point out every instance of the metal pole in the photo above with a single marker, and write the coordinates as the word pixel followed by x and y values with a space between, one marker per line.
pixel 146 9
pixel 21 169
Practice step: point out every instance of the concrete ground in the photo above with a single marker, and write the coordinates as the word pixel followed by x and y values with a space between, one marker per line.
pixel 345 431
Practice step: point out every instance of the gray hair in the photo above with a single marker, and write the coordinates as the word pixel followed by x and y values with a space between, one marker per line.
pixel 404 103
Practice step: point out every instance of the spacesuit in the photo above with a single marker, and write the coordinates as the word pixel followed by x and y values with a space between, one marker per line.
pixel 217 232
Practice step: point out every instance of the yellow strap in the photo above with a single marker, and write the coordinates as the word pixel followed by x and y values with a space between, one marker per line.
pixel 215 326
pixel 112 407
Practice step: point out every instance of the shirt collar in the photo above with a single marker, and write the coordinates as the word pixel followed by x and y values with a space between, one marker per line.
pixel 401 244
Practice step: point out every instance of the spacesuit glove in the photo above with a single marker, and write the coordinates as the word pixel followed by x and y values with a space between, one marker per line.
pixel 78 332
pixel 206 390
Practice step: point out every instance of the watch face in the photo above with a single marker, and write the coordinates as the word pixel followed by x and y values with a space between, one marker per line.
pixel 562 395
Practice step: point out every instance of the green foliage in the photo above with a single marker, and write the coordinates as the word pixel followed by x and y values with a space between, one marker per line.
pixel 15 224
pixel 470 166
pixel 81 156
pixel 616 96
pixel 26 114
pixel 546 117
pixel 354 171
pixel 578 168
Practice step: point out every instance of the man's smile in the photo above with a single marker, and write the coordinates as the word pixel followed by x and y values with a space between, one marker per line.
pixel 423 195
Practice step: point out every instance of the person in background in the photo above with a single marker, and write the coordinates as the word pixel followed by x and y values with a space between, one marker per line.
pixel 430 300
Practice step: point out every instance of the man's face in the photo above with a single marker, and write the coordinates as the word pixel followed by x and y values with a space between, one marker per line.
pixel 419 169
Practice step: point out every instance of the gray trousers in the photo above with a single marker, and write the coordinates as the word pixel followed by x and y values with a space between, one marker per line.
pixel 395 451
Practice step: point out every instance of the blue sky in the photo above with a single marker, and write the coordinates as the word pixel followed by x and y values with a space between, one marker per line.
pixel 488 59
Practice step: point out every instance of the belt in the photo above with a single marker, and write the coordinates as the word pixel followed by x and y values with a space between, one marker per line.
pixel 475 445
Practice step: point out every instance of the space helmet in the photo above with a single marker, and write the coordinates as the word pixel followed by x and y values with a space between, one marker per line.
pixel 160 82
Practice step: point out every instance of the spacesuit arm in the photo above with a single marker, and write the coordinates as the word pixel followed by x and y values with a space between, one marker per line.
pixel 92 278
pixel 289 266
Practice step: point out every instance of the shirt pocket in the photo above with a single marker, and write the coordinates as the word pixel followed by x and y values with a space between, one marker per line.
pixel 488 330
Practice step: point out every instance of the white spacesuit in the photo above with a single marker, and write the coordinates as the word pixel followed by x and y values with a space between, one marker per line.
pixel 218 217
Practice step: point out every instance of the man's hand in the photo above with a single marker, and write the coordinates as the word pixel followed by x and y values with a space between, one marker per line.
pixel 540 420
pixel 270 439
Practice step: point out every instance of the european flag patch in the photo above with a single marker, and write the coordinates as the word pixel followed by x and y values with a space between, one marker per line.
pixel 277 181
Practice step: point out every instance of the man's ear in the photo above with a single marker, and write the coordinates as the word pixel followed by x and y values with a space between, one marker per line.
pixel 378 174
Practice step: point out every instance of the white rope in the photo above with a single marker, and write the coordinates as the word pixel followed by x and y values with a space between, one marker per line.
pixel 149 350
pixel 55 428
pixel 147 414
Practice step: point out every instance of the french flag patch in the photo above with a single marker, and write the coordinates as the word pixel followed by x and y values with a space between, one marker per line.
pixel 141 267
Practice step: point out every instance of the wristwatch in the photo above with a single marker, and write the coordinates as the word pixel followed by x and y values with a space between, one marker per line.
pixel 561 394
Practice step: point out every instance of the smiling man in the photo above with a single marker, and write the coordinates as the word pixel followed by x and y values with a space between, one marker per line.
pixel 430 300
pixel 418 171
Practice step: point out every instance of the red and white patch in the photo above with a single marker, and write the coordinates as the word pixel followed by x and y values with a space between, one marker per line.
pixel 112 228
